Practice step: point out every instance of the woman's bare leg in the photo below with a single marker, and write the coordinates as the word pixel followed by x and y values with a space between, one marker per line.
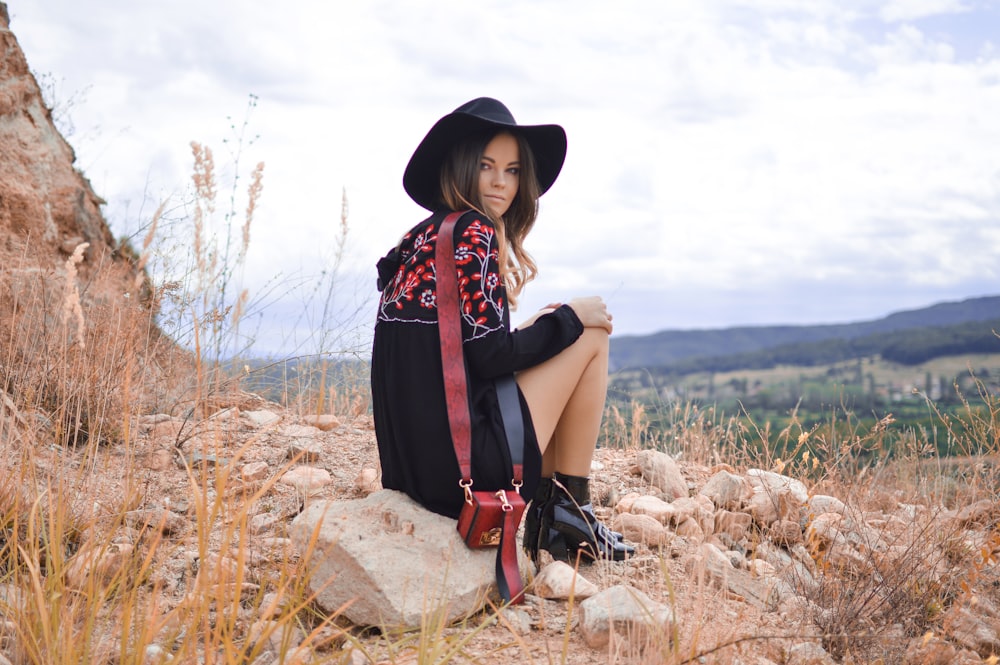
pixel 566 397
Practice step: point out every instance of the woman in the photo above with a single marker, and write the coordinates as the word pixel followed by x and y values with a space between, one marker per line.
pixel 477 159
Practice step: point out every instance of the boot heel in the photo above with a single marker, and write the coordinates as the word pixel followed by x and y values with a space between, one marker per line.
pixel 558 547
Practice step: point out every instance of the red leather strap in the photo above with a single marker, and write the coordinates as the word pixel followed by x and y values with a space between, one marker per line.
pixel 457 399
pixel 507 572
pixel 456 392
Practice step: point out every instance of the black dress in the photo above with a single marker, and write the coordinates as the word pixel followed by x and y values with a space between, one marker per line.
pixel 411 419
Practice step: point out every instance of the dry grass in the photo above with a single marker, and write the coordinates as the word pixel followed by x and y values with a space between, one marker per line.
pixel 86 580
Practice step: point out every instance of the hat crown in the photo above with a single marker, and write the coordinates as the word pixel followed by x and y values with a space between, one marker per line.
pixel 488 108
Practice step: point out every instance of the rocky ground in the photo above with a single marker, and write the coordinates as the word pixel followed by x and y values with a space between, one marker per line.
pixel 751 566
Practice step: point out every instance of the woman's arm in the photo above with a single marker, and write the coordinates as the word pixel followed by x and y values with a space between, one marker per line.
pixel 592 312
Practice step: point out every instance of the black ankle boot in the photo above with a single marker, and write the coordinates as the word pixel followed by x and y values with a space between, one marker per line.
pixel 533 517
pixel 572 525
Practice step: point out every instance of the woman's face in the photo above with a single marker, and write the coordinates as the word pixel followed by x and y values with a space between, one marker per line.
pixel 499 171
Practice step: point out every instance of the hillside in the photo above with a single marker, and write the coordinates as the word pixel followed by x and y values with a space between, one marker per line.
pixel 667 348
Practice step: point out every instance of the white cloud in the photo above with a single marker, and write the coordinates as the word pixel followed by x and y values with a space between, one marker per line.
pixel 908 10
pixel 742 153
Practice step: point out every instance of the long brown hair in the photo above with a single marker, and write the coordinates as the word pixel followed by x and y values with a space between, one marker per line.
pixel 460 190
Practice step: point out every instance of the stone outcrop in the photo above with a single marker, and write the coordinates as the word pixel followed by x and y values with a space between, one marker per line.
pixel 47 207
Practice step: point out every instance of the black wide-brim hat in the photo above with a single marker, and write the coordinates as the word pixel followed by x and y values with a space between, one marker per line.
pixel 421 180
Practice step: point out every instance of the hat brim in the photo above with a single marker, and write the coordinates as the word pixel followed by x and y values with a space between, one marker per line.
pixel 421 180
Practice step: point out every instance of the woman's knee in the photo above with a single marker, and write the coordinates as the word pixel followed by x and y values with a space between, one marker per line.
pixel 596 339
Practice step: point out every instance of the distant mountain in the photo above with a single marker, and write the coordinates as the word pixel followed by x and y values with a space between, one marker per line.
pixel 671 347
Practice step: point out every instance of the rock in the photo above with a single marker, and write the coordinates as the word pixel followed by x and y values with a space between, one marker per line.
pixel 809 653
pixel 254 471
pixel 660 469
pixel 786 497
pixel 761 568
pixel 167 429
pixel 273 633
pixel 353 655
pixel 12 596
pixel 199 460
pixel 516 619
pixel 226 416
pixel 263 522
pixel 714 560
pixel 930 650
pixel 306 479
pixel 625 611
pixel 824 529
pixel 654 507
pixel 726 490
pixel 154 654
pixel 786 532
pixel 159 460
pixel 981 513
pixel 690 529
pixel 762 593
pixel 96 563
pixel 166 521
pixel 778 484
pixel 625 503
pixel 685 508
pixel 602 493
pixel 262 418
pixel 305 451
pixel 642 529
pixel 47 203
pixel 734 525
pixel 274 548
pixel 300 432
pixel 559 581
pixel 972 631
pixel 705 513
pixel 367 481
pixel 323 422
pixel 385 561
pixel 821 503
pixel 763 507
pixel 794 567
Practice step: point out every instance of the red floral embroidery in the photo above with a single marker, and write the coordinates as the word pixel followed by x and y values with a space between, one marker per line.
pixel 407 297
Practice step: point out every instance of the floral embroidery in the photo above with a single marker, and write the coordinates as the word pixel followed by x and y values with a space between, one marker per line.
pixel 411 295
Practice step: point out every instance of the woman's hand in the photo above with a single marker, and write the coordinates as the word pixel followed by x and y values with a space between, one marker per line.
pixel 592 312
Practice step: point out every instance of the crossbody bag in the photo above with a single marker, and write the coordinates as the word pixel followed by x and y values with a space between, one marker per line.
pixel 488 518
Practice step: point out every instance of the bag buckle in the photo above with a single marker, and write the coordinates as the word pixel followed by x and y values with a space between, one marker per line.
pixel 490 538
pixel 467 485
pixel 504 503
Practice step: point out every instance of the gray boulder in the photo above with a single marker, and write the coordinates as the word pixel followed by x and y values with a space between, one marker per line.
pixel 386 561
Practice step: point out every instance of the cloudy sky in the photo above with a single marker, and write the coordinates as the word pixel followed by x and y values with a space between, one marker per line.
pixel 730 162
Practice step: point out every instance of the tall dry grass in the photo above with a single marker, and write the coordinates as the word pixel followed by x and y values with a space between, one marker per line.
pixel 918 570
pixel 83 556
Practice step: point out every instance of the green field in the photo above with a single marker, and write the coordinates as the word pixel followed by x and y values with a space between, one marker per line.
pixel 843 399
